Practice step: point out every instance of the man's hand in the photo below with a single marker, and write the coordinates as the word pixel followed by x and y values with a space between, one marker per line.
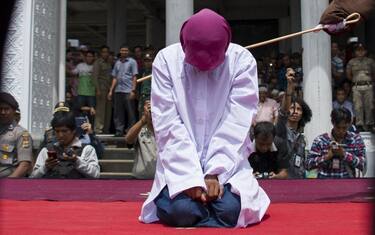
pixel 51 163
pixel 329 154
pixel 194 193
pixel 339 152
pixel 132 95
pixel 70 158
pixel 86 127
pixel 290 76
pixel 214 189
pixel 109 96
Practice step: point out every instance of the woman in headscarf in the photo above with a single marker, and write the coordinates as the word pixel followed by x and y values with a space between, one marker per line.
pixel 204 95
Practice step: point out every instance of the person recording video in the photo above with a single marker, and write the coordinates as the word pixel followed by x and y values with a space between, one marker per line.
pixel 337 154
pixel 68 157
pixel 84 130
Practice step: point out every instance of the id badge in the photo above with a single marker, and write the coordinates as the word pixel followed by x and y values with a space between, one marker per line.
pixel 335 164
pixel 297 161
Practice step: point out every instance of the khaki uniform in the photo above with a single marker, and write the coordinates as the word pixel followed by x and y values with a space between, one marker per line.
pixel 102 77
pixel 363 71
pixel 15 147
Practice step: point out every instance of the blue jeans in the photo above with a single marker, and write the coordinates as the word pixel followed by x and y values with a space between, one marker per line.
pixel 182 211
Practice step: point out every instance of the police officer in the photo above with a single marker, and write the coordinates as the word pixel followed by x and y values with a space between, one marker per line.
pixel 361 71
pixel 15 141
pixel 145 86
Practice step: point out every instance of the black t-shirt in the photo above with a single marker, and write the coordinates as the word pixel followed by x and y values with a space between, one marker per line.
pixel 272 161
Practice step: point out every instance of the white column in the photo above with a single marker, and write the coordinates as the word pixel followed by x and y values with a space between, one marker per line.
pixel 177 12
pixel 62 48
pixel 316 69
pixel 34 60
pixel 17 56
pixel 295 24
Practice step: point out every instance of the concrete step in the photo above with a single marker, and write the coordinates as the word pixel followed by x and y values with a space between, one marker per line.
pixel 111 140
pixel 116 165
pixel 118 153
pixel 116 175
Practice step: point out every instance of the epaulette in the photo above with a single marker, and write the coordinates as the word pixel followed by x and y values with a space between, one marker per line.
pixel 25 139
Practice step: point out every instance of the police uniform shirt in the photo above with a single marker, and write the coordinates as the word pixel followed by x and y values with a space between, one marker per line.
pixel 15 147
pixel 87 164
pixel 363 69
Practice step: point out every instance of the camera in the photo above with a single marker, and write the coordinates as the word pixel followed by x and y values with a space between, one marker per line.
pixel 263 175
pixel 336 145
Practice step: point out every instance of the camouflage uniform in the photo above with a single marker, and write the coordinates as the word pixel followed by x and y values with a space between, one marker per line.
pixel 15 147
pixel 102 77
pixel 145 92
pixel 363 71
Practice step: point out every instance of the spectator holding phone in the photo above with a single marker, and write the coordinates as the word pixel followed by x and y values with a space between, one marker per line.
pixel 270 158
pixel 68 157
pixel 338 153
pixel 142 134
pixel 84 130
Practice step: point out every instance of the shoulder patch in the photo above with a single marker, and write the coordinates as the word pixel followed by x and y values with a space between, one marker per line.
pixel 25 139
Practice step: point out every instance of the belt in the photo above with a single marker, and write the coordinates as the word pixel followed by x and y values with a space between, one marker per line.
pixel 363 83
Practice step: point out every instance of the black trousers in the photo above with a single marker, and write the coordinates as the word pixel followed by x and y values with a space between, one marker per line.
pixel 124 112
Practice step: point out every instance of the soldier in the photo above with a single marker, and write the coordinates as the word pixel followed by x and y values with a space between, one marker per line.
pixel 102 79
pixel 15 141
pixel 361 71
pixel 145 87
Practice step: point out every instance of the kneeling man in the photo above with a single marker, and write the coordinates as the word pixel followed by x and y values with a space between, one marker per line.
pixel 203 98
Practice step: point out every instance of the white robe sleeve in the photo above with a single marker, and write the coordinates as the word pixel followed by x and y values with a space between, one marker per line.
pixel 229 145
pixel 176 151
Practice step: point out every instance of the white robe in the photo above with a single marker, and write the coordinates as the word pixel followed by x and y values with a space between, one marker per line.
pixel 202 121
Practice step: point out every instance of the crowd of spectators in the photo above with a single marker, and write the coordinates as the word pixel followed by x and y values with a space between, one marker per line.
pixel 103 85
pixel 102 96
pixel 339 153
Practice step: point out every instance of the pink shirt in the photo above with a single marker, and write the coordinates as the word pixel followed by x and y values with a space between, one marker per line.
pixel 267 111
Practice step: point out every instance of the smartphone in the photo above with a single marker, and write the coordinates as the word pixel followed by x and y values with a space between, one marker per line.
pixel 79 122
pixel 52 154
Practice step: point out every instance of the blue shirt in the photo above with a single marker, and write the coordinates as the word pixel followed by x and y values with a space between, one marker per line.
pixel 347 104
pixel 124 71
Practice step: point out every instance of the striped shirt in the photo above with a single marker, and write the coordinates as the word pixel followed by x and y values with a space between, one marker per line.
pixel 355 156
